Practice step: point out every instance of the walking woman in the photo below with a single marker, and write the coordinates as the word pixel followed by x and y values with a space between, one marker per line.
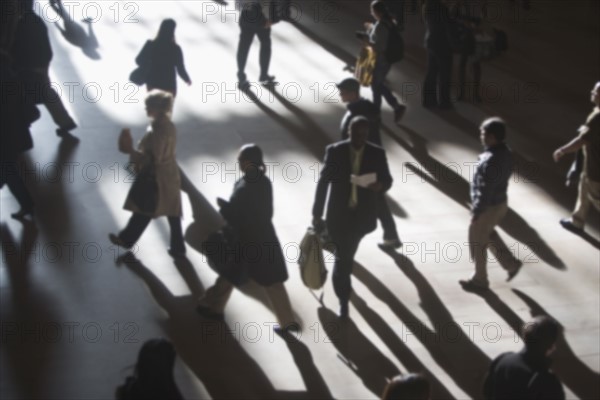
pixel 156 151
pixel 249 212
pixel 379 36
pixel 162 58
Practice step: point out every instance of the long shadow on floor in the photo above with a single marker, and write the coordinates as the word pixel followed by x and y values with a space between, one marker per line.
pixel 447 343
pixel 30 325
pixel 452 184
pixel 211 350
pixel 357 352
pixel 398 347
pixel 581 379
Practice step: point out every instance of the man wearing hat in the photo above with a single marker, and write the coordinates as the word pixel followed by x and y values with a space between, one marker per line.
pixel 359 106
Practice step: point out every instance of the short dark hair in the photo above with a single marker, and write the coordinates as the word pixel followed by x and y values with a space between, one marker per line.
pixel 541 333
pixel 495 126
pixel 357 121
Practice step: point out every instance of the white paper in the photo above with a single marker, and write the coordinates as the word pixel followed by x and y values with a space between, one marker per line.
pixel 364 180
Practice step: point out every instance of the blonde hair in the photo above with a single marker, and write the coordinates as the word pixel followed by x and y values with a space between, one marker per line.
pixel 160 101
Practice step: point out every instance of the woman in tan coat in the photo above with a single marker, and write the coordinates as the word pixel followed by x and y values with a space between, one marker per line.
pixel 157 151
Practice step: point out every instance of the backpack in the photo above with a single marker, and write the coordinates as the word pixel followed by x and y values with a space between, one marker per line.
pixel 395 46
pixel 311 262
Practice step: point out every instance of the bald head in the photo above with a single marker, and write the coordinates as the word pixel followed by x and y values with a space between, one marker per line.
pixel 359 132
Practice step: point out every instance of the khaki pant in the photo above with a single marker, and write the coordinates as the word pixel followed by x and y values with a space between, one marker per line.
pixel 216 298
pixel 589 194
pixel 479 239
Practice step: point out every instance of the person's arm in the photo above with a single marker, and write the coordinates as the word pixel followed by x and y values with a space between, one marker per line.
pixel 325 179
pixel 144 54
pixel 493 175
pixel 378 37
pixel 570 147
pixel 384 177
pixel 180 66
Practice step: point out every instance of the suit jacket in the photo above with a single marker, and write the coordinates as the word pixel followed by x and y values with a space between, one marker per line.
pixel 335 178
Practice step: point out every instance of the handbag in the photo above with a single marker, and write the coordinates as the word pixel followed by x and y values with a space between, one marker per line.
pixel 144 190
pixel 311 261
pixel 222 251
pixel 365 64
pixel 139 76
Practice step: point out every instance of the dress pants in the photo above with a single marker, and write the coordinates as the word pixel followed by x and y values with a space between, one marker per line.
pixel 217 295
pixel 437 78
pixel 137 225
pixel 589 194
pixel 246 37
pixel 379 88
pixel 346 240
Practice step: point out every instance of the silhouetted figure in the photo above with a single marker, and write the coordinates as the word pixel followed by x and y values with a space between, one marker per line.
pixel 489 200
pixel 465 23
pixel 248 213
pixel 526 374
pixel 254 22
pixel 32 54
pixel 407 387
pixel 153 376
pixel 74 33
pixel 359 106
pixel 351 209
pixel 379 37
pixel 156 150
pixel 589 181
pixel 436 86
pixel 162 59
pixel 15 118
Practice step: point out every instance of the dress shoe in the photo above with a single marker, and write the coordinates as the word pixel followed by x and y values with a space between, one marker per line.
pixel 22 213
pixel 65 130
pixel 268 80
pixel 390 244
pixel 209 314
pixel 292 327
pixel 116 240
pixel 568 224
pixel 472 286
pixel 399 113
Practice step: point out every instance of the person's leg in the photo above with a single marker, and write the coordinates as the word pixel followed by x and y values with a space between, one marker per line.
pixel 583 203
pixel 246 37
pixel 135 227
pixel 177 244
pixel 462 76
pixel 346 246
pixel 264 36
pixel 429 97
pixel 477 81
pixel 215 298
pixel 280 301
pixel 377 84
pixel 57 110
pixel 445 75
pixel 479 237
pixel 387 220
pixel 11 175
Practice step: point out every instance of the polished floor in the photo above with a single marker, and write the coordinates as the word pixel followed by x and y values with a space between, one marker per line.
pixel 74 313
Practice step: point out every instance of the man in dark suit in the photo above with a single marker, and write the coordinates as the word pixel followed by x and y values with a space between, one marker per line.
pixel 351 209
pixel 355 106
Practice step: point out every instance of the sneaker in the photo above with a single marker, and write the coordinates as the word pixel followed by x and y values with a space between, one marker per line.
pixel 568 224
pixel 472 286
pixel 399 113
pixel 209 314
pixel 116 240
pixel 268 80
pixel 390 244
